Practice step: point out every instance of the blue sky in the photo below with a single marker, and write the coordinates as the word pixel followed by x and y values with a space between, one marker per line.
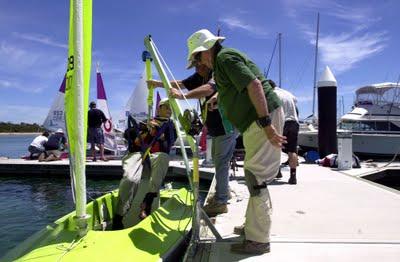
pixel 359 41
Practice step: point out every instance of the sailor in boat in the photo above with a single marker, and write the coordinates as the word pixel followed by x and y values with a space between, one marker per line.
pixel 290 129
pixel 250 104
pixel 54 146
pixel 149 145
pixel 95 136
pixel 202 86
pixel 37 146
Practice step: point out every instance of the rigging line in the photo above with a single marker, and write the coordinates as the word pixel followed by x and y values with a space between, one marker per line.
pixel 170 72
pixel 270 60
pixel 175 117
pixel 307 62
pixel 72 245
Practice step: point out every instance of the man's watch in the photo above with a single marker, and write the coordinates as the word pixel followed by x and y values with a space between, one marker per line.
pixel 263 121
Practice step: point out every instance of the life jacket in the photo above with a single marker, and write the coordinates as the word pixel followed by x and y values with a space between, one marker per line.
pixel 160 138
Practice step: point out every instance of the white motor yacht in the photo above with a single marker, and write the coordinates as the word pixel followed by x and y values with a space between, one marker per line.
pixel 374 122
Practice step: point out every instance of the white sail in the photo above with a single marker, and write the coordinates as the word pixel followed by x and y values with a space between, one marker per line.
pixel 55 118
pixel 137 103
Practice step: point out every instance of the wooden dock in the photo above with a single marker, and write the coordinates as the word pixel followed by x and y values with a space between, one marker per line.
pixel 95 170
pixel 329 215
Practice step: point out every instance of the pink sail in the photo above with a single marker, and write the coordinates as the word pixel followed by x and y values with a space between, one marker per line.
pixel 108 127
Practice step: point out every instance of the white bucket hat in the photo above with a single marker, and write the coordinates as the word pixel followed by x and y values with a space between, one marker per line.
pixel 163 101
pixel 200 41
pixel 60 130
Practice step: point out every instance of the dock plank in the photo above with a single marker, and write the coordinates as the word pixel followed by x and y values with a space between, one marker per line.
pixel 329 215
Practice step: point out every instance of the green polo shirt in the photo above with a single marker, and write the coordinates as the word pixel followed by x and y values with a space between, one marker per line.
pixel 233 72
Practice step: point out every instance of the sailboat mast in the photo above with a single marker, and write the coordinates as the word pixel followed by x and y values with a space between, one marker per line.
pixel 79 103
pixel 79 100
pixel 76 100
pixel 315 67
pixel 280 59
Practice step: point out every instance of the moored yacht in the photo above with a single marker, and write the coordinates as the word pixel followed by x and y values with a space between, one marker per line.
pixel 374 121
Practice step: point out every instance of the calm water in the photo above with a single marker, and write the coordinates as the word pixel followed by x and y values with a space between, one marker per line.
pixel 28 204
pixel 15 146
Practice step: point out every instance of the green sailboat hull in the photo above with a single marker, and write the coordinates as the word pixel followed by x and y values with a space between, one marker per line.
pixel 153 239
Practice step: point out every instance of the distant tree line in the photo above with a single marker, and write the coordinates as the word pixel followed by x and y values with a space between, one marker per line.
pixel 7 127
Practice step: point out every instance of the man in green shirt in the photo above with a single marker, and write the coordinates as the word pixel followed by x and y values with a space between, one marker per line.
pixel 250 104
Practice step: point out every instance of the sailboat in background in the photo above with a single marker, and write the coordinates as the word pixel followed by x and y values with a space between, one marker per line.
pixel 55 118
pixel 137 104
pixel 110 143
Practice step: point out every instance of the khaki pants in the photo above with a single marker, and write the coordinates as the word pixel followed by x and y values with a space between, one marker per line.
pixel 262 160
pixel 128 186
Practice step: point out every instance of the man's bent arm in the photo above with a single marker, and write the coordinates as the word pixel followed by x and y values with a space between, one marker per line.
pixel 157 83
pixel 201 91
pixel 257 97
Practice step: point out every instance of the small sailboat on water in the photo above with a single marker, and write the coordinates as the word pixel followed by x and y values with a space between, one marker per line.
pixel 85 233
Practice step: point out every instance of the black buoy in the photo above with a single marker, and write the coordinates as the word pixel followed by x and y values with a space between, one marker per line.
pixel 327 88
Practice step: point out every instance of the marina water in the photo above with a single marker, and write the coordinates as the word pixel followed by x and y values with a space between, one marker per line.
pixel 15 146
pixel 30 203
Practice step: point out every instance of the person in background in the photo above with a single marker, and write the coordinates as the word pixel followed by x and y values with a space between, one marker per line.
pixel 290 129
pixel 159 135
pixel 95 136
pixel 54 146
pixel 202 86
pixel 37 146
pixel 250 104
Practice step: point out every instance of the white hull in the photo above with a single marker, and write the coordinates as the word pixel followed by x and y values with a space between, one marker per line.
pixel 363 143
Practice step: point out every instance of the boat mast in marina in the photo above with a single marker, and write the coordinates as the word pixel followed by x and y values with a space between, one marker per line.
pixel 315 69
pixel 280 59
pixel 77 100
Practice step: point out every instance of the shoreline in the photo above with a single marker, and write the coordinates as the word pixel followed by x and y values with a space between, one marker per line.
pixel 20 133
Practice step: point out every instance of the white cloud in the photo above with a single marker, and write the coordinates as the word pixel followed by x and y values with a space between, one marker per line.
pixel 27 70
pixel 40 39
pixel 184 8
pixel 304 99
pixel 354 14
pixel 17 85
pixel 13 57
pixel 340 51
pixel 234 22
pixel 21 113
pixel 5 83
